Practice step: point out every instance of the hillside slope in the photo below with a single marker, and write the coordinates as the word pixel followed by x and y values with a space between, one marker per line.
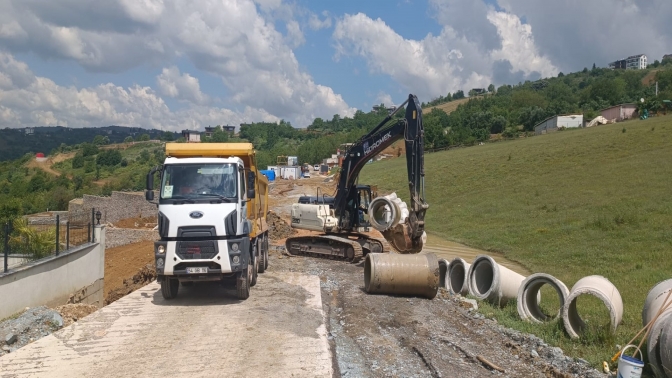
pixel 571 204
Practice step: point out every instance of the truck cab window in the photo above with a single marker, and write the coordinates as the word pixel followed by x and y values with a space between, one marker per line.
pixel 199 180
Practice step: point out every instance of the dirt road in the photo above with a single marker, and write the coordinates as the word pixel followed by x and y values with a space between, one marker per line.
pixel 278 332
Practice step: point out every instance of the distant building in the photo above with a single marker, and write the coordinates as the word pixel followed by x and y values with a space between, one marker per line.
pixel 229 129
pixel 666 56
pixel 209 130
pixel 619 112
pixel 40 157
pixel 554 123
pixel 29 130
pixel 389 109
pixel 478 91
pixel 191 136
pixel 618 65
pixel 636 62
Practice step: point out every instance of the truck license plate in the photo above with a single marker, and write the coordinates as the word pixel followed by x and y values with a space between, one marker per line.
pixel 197 270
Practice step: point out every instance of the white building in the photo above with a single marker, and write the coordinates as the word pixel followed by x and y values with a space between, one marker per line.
pixel 554 123
pixel 635 62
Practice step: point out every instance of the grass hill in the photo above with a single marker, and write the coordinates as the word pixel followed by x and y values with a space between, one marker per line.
pixel 14 143
pixel 571 204
pixel 447 107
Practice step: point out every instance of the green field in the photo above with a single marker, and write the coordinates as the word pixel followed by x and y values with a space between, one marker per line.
pixel 572 203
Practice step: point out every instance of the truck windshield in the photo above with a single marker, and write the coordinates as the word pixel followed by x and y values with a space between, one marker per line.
pixel 181 181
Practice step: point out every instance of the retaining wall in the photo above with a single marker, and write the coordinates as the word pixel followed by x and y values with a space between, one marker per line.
pixel 75 276
pixel 118 206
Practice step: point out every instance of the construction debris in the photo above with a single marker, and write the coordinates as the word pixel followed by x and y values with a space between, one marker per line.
pixel 278 228
pixel 146 275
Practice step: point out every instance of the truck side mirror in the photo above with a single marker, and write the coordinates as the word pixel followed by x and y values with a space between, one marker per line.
pixel 250 185
pixel 149 195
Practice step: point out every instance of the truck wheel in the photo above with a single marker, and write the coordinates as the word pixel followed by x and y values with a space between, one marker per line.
pixel 262 256
pixel 255 266
pixel 243 283
pixel 169 288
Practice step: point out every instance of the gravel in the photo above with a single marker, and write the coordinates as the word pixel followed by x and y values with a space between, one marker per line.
pixel 32 324
pixel 115 237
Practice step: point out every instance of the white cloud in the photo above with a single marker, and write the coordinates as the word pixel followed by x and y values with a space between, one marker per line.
pixel 182 86
pixel 226 38
pixel 26 99
pixel 384 98
pixel 464 55
pixel 316 24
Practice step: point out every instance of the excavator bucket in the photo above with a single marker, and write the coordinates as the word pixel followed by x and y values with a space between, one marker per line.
pixel 400 237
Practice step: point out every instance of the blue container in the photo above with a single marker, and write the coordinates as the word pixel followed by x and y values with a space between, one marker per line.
pixel 268 173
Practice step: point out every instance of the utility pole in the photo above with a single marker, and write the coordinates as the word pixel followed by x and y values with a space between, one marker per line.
pixel 656 89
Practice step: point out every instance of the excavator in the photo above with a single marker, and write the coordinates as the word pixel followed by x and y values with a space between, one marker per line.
pixel 341 218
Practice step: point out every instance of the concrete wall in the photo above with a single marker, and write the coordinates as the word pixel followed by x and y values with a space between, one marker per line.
pixel 120 205
pixel 546 126
pixel 74 276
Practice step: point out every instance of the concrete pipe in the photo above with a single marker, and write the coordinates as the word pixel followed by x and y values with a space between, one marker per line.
pixel 599 287
pixel 654 345
pixel 654 301
pixel 387 211
pixel 492 282
pixel 391 273
pixel 457 280
pixel 443 273
pixel 529 297
pixel 665 346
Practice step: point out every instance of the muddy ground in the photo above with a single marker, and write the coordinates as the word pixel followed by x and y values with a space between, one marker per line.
pixel 391 336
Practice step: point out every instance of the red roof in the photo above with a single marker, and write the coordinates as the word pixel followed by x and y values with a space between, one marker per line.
pixel 39 154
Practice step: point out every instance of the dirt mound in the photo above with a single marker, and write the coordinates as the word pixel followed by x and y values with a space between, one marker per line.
pixel 278 228
pixel 74 311
pixel 144 276
pixel 136 222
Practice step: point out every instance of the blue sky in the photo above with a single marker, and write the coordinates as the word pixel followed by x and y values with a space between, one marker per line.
pixel 176 65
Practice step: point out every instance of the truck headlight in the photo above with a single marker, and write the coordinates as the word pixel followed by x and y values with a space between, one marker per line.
pixel 159 263
pixel 234 247
pixel 161 250
pixel 236 259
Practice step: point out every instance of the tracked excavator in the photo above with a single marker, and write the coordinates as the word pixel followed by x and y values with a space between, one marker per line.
pixel 341 219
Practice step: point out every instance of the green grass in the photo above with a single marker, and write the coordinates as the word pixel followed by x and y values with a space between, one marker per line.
pixel 570 204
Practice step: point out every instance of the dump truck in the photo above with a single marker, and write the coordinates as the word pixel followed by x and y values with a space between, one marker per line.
pixel 212 207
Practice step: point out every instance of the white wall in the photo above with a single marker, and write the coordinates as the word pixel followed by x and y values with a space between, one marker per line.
pixel 570 121
pixel 51 281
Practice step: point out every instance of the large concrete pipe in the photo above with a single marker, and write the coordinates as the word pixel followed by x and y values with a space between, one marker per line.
pixel 457 280
pixel 529 297
pixel 665 346
pixel 387 211
pixel 654 301
pixel 599 287
pixel 654 345
pixel 443 273
pixel 493 282
pixel 392 273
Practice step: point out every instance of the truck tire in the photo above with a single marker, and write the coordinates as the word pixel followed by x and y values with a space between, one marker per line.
pixel 263 259
pixel 243 283
pixel 255 266
pixel 169 287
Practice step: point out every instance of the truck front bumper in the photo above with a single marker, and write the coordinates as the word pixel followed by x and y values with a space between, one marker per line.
pixel 173 258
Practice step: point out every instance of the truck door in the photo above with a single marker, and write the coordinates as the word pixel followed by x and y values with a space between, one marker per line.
pixel 243 199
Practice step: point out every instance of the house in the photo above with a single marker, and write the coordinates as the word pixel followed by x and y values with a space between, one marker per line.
pixel 209 130
pixel 635 62
pixel 191 136
pixel 554 123
pixel 229 129
pixel 477 91
pixel 619 112
pixel 29 130
pixel 618 65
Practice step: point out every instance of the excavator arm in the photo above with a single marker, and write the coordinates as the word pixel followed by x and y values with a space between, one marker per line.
pixel 406 237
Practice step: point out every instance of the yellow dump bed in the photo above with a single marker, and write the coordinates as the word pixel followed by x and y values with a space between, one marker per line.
pixel 257 208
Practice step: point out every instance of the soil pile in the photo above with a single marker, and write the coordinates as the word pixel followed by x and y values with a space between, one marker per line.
pixel 278 228
pixel 144 276
pixel 74 311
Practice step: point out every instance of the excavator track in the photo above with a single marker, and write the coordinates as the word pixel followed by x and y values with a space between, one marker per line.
pixel 329 246
pixel 383 244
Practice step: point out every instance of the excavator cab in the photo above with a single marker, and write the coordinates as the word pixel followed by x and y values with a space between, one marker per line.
pixel 358 208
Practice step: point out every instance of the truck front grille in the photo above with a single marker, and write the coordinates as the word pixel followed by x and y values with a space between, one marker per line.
pixel 202 249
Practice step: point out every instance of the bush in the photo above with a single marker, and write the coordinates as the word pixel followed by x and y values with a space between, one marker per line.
pixel 78 161
pixel 89 149
pixel 109 158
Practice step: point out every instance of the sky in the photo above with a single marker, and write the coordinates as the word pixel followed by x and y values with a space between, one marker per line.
pixel 175 65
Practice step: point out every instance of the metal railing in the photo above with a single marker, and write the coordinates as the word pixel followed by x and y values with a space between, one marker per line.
pixel 24 242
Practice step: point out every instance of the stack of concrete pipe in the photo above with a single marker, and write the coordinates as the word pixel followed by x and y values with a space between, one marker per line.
pixel 659 340
pixel 492 282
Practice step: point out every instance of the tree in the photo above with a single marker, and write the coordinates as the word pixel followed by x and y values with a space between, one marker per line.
pixel 531 116
pixel 458 95
pixel 78 181
pixel 144 137
pixel 109 158
pixel 561 74
pixel 167 136
pixel 128 139
pixel 218 136
pixel 655 64
pixel 100 140
pixel 594 67
pixel 89 149
pixel 491 88
pixel 78 160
